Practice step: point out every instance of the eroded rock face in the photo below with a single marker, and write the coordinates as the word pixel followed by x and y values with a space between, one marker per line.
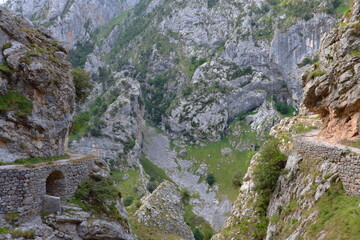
pixel 69 20
pixel 37 93
pixel 163 211
pixel 335 94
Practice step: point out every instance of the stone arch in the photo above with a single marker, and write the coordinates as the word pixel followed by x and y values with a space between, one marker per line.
pixel 55 184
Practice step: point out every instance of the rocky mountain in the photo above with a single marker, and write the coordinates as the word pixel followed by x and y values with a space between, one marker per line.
pixel 187 92
pixel 313 176
pixel 331 89
pixel 37 94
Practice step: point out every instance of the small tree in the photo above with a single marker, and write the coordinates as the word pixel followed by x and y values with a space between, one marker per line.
pixel 237 179
pixel 82 83
pixel 210 179
pixel 198 235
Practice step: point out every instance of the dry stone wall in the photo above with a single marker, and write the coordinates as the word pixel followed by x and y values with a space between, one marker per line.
pixel 22 189
pixel 346 159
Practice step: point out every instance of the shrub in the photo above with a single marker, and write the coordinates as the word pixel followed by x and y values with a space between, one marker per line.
pixel 11 217
pixel 185 195
pixel 4 230
pixel 128 201
pixel 212 3
pixel 16 101
pixel 237 179
pixel 198 235
pixel 100 193
pixel 210 179
pixel 308 61
pixel 242 72
pixel 266 173
pixel 316 73
pixel 29 234
pixel 79 55
pixel 6 46
pixel 83 85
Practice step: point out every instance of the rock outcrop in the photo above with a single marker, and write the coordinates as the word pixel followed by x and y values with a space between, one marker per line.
pixel 332 88
pixel 162 212
pixel 37 94
pixel 69 20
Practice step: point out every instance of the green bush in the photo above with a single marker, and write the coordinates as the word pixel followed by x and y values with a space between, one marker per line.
pixel 284 109
pixel 98 194
pixel 83 85
pixel 316 73
pixel 308 61
pixel 4 230
pixel 237 179
pixel 16 101
pixel 266 173
pixel 6 46
pixel 243 72
pixel 29 234
pixel 210 179
pixel 198 235
pixel 212 3
pixel 79 55
pixel 128 201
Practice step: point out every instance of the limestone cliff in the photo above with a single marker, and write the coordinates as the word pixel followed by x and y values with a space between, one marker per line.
pixel 317 176
pixel 332 89
pixel 36 91
pixel 70 21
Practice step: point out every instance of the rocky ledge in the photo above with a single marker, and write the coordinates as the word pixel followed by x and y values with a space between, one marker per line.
pixel 36 91
pixel 332 88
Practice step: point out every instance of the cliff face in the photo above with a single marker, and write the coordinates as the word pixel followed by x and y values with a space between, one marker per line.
pixel 317 176
pixel 332 89
pixel 70 21
pixel 36 91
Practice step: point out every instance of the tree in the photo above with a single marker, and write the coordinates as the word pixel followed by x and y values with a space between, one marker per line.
pixel 210 179
pixel 83 84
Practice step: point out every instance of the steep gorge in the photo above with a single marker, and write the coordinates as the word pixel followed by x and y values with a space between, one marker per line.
pixel 185 89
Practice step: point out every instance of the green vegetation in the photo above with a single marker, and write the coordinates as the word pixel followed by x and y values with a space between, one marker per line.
pixel 98 195
pixel 6 46
pixel 338 217
pixel 199 226
pixel 191 66
pixel 89 121
pixel 308 61
pixel 157 175
pixel 156 99
pixel 212 3
pixel 36 160
pixel 210 179
pixel 300 128
pixel 15 101
pixel 284 109
pixel 223 167
pixel 237 179
pixel 83 85
pixel 316 73
pixel 5 68
pixel 242 72
pixel 266 173
pixel 351 143
pixel 101 33
pixel 79 55
pixel 11 217
pixel 4 230
pixel 355 52
pixel 29 234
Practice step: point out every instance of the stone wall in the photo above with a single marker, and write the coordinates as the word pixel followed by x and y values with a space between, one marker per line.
pixel 22 189
pixel 347 160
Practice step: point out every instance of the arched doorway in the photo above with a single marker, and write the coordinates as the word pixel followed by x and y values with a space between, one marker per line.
pixel 55 184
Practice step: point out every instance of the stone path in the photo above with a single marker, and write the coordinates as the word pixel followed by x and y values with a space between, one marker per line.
pixel 73 157
pixel 312 138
